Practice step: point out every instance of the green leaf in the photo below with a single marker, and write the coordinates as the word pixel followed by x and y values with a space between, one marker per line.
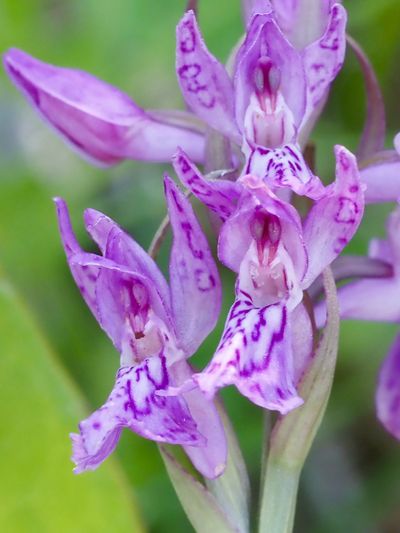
pixel 200 506
pixel 39 407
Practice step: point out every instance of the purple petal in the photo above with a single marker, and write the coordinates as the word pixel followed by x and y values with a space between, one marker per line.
pixel 324 58
pixel 373 136
pixel 284 167
pixel 107 285
pixel 255 355
pixel 209 460
pixel 255 7
pixel 334 219
pixel 371 299
pixel 388 391
pixel 264 39
pixel 204 82
pixel 134 404
pixel 302 341
pixel 194 278
pixel 302 21
pixel 382 178
pixel 99 121
pixel 118 246
pixel 218 195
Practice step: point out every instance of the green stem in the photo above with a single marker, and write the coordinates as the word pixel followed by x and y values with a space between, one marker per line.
pixel 278 500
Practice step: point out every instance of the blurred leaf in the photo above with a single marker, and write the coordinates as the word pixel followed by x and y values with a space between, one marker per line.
pixel 199 504
pixel 39 406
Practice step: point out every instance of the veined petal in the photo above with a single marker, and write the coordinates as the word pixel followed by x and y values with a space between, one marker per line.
pixel 324 58
pixel 209 460
pixel 302 341
pixel 284 167
pixel 118 246
pixel 194 279
pixel 204 82
pixel 334 219
pixel 255 355
pixel 218 195
pixel 134 404
pixel 388 391
pixel 100 122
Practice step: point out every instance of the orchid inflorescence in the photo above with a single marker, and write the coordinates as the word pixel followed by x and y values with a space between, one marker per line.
pixel 263 105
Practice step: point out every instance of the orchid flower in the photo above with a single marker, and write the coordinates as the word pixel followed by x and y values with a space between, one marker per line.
pixel 378 299
pixel 274 92
pixel 155 328
pixel 276 257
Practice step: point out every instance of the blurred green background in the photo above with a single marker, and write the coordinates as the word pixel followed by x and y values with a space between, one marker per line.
pixel 56 364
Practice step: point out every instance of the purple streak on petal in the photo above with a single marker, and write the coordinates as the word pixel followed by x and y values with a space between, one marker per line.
pixel 218 195
pixel 204 82
pixel 118 246
pixel 100 122
pixel 265 40
pixel 194 279
pixel 334 219
pixel 134 404
pixel 388 391
pixel 324 58
pixel 255 355
pixel 382 178
pixel 209 460
pixel 284 167
pixel 373 136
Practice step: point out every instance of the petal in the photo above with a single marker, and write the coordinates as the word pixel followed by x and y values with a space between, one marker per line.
pixel 85 277
pixel 264 39
pixel 255 355
pixel 118 246
pixel 382 178
pixel 254 7
pixel 209 460
pixel 284 167
pixel 218 195
pixel 302 341
pixel 292 232
pixel 134 404
pixel 302 21
pixel 370 299
pixel 204 82
pixel 388 391
pixel 334 219
pixel 194 278
pixel 100 122
pixel 324 58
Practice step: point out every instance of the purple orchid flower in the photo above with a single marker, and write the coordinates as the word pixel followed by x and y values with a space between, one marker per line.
pixel 276 257
pixel 274 91
pixel 100 122
pixel 377 299
pixel 381 174
pixel 155 328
